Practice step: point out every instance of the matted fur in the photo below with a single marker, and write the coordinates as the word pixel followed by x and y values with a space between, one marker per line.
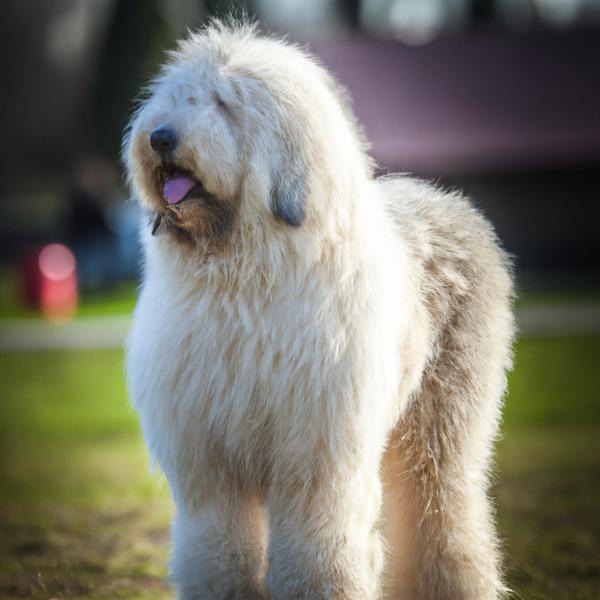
pixel 321 378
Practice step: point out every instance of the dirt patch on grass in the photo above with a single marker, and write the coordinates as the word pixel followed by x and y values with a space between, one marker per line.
pixel 548 499
pixel 63 552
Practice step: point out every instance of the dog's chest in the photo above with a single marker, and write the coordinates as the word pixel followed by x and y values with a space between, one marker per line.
pixel 226 378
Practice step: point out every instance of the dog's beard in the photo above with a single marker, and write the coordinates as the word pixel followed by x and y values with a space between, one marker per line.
pixel 197 218
pixel 202 220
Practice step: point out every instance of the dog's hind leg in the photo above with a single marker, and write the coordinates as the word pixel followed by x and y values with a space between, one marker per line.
pixel 220 551
pixel 439 517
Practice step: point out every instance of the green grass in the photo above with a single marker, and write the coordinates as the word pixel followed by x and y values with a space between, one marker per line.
pixel 80 517
pixel 549 470
pixel 548 499
pixel 571 295
pixel 79 514
pixel 554 383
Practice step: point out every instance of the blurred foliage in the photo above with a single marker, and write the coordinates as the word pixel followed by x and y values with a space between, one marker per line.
pixel 80 517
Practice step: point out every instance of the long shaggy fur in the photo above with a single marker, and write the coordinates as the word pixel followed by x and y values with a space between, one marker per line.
pixel 318 356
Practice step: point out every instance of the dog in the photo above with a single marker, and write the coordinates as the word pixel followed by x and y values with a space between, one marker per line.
pixel 318 355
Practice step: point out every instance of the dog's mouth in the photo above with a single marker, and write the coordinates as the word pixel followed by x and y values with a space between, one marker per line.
pixel 176 184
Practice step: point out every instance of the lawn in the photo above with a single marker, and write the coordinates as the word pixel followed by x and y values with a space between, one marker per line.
pixel 80 517
pixel 79 514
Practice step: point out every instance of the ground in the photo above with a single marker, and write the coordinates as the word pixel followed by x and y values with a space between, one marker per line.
pixel 81 517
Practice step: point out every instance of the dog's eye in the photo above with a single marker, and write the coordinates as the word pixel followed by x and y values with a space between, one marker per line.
pixel 220 102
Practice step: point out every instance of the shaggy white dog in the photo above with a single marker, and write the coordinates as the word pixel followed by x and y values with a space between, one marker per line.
pixel 318 356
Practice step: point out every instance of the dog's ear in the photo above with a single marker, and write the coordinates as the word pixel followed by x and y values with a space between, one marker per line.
pixel 288 191
pixel 289 188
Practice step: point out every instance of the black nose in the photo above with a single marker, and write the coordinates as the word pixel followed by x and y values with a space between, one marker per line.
pixel 163 139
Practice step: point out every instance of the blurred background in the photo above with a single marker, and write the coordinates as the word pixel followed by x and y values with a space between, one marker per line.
pixel 499 98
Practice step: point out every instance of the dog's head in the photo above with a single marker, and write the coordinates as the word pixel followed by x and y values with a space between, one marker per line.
pixel 240 132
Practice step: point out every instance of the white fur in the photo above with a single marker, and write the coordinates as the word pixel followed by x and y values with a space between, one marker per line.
pixel 284 380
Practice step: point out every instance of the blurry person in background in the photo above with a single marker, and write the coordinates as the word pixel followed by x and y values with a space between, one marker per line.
pixel 86 224
pixel 99 225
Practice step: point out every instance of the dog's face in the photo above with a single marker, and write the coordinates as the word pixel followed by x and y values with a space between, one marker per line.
pixel 241 134
pixel 216 148
pixel 185 154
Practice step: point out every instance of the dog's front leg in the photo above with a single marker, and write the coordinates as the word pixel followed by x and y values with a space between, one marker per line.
pixel 324 541
pixel 220 551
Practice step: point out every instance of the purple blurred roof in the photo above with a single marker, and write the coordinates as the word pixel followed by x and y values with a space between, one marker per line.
pixel 478 103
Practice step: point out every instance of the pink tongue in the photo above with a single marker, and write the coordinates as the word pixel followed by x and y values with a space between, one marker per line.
pixel 175 189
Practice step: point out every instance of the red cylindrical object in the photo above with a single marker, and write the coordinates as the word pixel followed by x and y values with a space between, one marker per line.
pixel 50 281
